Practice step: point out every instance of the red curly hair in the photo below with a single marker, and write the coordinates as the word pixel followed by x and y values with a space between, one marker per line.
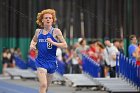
pixel 46 11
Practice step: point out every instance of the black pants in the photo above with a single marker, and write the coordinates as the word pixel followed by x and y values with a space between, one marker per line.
pixel 102 74
pixel 76 69
pixel 112 71
pixel 67 68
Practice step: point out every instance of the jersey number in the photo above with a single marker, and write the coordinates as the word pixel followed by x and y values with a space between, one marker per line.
pixel 49 45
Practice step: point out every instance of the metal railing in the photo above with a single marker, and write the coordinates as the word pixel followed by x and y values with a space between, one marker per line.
pixel 31 64
pixel 128 70
pixel 20 62
pixel 90 66
pixel 61 67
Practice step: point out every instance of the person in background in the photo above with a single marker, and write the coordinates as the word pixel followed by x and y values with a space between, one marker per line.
pixel 92 51
pixel 121 47
pixel 132 47
pixel 116 43
pixel 106 54
pixel 82 48
pixel 137 53
pixel 110 53
pixel 18 52
pixel 68 59
pixel 113 51
pixel 101 61
pixel 75 64
pixel 12 60
pixel 59 54
pixel 5 60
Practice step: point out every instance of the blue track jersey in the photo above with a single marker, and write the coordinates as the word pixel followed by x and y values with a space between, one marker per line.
pixel 46 51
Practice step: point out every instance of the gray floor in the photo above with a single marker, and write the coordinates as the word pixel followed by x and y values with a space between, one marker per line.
pixel 54 88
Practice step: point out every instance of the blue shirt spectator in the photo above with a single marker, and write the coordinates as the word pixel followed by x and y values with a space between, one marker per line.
pixel 131 50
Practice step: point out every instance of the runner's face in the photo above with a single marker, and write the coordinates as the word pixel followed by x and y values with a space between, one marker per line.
pixel 47 19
